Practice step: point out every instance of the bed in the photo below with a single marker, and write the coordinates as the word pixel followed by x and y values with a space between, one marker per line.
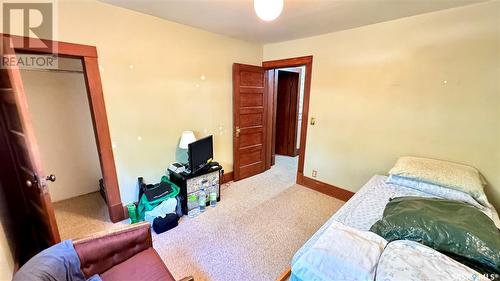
pixel 365 208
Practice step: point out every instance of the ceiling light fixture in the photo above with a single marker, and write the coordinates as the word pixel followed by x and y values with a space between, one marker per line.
pixel 268 10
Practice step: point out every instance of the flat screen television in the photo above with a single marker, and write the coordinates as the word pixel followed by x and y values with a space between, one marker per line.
pixel 200 153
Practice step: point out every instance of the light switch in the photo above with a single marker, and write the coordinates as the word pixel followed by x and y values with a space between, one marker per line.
pixel 313 121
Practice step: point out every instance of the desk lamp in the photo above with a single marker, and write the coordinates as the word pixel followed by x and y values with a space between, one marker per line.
pixel 187 137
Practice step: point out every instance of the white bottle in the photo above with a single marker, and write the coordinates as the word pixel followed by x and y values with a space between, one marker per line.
pixel 213 195
pixel 193 206
pixel 202 198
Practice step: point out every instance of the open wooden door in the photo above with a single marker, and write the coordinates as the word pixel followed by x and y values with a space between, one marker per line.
pixel 250 120
pixel 25 156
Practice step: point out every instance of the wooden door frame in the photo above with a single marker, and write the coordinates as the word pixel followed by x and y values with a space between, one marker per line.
pixel 306 61
pixel 88 55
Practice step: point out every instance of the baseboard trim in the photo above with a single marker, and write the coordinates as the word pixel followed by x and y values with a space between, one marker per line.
pixel 116 212
pixel 227 177
pixel 285 275
pixel 125 212
pixel 324 188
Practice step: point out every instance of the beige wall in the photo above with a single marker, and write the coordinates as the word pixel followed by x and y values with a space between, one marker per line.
pixel 426 85
pixel 6 257
pixel 162 95
pixel 60 112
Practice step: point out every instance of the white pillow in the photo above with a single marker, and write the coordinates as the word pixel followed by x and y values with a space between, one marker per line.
pixel 433 189
pixel 443 173
pixel 341 253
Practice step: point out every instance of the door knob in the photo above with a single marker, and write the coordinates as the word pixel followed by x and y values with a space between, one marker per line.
pixel 51 178
pixel 31 182
pixel 238 130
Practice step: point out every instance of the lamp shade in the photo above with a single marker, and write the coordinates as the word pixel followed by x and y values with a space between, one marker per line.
pixel 186 138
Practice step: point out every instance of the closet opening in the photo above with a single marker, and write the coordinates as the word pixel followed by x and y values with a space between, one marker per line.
pixel 61 117
pixel 26 186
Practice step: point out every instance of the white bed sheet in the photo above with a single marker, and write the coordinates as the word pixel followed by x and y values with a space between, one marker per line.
pixel 373 196
pixel 411 261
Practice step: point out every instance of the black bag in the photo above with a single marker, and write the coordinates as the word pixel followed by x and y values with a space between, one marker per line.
pixel 153 191
pixel 161 225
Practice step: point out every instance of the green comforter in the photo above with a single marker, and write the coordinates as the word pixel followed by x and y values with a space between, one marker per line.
pixel 454 228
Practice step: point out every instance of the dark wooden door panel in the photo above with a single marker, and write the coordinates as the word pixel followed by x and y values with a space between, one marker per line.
pixel 251 155
pixel 250 120
pixel 252 169
pixel 251 78
pixel 250 138
pixel 21 142
pixel 251 100
pixel 287 113
pixel 282 113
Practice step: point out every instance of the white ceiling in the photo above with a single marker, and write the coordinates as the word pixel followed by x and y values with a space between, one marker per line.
pixel 300 18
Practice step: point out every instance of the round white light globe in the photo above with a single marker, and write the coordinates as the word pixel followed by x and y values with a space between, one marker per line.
pixel 268 10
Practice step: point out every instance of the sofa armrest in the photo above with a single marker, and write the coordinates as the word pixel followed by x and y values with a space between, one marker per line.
pixel 104 250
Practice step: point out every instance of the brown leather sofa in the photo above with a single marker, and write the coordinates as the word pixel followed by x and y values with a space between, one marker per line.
pixel 125 254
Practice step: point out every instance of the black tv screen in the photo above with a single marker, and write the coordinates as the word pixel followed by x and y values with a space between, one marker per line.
pixel 200 153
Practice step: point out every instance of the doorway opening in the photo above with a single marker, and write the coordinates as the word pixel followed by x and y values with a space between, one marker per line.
pixel 288 111
pixel 290 88
pixel 62 121
pixel 257 135
pixel 290 98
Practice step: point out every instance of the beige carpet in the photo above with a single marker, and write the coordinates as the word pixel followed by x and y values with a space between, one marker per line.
pixel 251 235
pixel 83 215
